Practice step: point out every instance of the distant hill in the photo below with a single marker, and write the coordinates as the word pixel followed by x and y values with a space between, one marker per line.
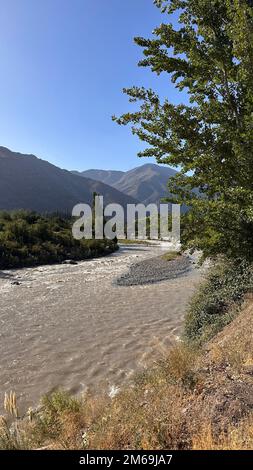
pixel 105 176
pixel 27 182
pixel 146 183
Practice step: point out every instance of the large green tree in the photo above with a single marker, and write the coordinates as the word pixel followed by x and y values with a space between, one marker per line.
pixel 209 53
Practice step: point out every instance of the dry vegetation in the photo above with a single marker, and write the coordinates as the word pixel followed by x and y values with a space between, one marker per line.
pixel 192 399
pixel 170 255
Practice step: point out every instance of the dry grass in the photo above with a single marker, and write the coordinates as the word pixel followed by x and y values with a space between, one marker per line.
pixel 234 345
pixel 181 364
pixel 235 438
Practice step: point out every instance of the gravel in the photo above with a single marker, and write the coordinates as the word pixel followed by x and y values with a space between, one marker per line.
pixel 155 270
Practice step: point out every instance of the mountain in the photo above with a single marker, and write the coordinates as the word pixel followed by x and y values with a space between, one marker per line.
pixel 146 183
pixel 27 182
pixel 105 176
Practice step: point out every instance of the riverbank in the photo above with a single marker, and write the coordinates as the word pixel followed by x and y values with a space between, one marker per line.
pixel 30 239
pixel 71 326
pixel 198 399
pixel 194 394
pixel 193 399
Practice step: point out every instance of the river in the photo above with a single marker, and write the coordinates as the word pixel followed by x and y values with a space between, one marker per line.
pixel 70 326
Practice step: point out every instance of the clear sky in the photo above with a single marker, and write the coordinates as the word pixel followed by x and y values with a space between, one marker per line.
pixel 63 64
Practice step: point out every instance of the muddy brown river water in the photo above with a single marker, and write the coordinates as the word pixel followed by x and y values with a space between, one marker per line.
pixel 69 326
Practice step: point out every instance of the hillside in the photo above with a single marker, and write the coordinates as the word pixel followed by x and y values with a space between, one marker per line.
pixel 27 182
pixel 146 183
pixel 110 177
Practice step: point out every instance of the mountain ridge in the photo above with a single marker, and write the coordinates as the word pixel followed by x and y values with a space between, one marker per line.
pixel 146 183
pixel 29 182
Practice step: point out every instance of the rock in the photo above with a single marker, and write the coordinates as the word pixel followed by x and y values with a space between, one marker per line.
pixel 248 370
pixel 144 403
pixel 184 410
pixel 152 270
pixel 15 283
pixel 69 261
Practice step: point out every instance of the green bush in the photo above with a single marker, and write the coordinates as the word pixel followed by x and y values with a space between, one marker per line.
pixel 218 299
pixel 30 239
pixel 58 402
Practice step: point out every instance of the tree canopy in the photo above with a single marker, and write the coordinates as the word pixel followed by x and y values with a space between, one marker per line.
pixel 209 54
pixel 30 239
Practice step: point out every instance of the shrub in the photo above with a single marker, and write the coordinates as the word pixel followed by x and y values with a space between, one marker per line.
pixel 29 239
pixel 181 364
pixel 218 299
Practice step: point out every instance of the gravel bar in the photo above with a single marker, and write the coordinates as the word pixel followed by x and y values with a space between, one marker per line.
pixel 153 270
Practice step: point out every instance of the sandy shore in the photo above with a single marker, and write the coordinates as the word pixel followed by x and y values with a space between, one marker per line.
pixel 71 326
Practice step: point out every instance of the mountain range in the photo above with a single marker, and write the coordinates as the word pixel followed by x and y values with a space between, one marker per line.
pixel 146 183
pixel 28 182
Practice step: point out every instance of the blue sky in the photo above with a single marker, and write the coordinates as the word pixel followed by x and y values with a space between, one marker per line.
pixel 63 66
